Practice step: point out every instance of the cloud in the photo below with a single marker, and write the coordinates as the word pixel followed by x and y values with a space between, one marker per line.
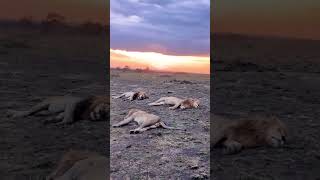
pixel 182 26
pixel 120 19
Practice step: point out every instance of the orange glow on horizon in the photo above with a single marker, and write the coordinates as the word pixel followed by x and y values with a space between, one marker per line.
pixel 160 62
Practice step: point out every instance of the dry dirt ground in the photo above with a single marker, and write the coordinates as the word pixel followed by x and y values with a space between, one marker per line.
pixel 161 153
pixel 251 75
pixel 34 66
pixel 269 76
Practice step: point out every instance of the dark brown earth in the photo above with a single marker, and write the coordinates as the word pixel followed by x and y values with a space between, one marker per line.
pixel 36 65
pixel 269 76
pixel 161 153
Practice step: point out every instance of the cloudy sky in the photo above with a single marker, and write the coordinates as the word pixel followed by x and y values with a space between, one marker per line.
pixel 174 27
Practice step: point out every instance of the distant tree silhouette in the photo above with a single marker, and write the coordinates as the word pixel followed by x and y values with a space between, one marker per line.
pixel 26 21
pixel 139 70
pixel 53 20
pixel 147 69
pixel 126 68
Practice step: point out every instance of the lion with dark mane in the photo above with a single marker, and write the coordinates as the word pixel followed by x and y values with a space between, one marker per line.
pixel 234 136
pixel 67 109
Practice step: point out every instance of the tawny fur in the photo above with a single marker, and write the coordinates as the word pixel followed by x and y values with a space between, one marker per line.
pixel 80 165
pixel 177 102
pixel 134 95
pixel 248 133
pixel 189 103
pixel 145 121
pixel 67 109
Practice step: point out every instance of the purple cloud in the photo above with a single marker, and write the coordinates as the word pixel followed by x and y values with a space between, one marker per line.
pixel 176 27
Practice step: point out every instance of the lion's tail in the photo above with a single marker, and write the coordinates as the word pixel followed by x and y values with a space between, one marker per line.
pixel 169 127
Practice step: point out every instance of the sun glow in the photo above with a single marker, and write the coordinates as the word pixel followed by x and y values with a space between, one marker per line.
pixel 158 61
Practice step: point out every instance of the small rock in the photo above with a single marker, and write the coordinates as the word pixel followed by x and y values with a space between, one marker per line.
pixel 194 166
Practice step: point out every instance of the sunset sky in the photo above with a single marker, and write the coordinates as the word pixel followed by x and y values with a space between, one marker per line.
pixel 161 62
pixel 166 35
pixel 73 10
pixel 179 27
pixel 285 18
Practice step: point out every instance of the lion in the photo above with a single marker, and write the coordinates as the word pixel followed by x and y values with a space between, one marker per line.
pixel 145 121
pixel 133 95
pixel 177 102
pixel 234 136
pixel 80 165
pixel 67 109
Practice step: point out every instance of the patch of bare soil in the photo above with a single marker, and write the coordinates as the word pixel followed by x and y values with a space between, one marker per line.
pixel 161 153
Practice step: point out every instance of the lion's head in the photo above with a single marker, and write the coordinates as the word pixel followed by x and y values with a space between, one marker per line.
pixel 95 108
pixel 260 131
pixel 189 103
pixel 142 95
pixel 235 135
pixel 276 133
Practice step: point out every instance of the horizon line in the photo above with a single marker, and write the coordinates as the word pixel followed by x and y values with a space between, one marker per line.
pixel 261 35
pixel 162 71
pixel 39 20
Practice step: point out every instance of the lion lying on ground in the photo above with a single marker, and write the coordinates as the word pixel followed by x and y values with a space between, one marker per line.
pixel 234 136
pixel 177 102
pixel 145 121
pixel 80 165
pixel 133 95
pixel 67 109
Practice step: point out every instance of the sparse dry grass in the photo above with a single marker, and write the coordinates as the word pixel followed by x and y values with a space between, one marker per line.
pixel 168 154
